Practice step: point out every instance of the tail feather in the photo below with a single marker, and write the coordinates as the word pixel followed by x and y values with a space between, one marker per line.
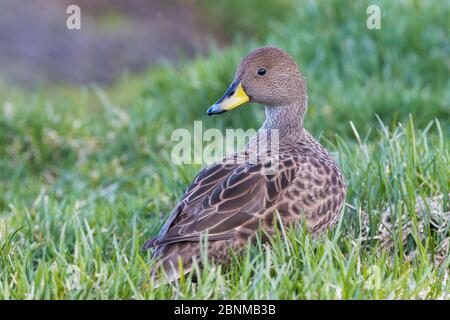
pixel 167 258
pixel 150 243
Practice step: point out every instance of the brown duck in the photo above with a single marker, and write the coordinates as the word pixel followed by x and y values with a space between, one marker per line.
pixel 232 199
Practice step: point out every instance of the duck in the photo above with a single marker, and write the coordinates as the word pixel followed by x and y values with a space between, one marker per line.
pixel 292 179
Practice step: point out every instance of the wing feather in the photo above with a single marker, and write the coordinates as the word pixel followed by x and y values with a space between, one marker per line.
pixel 223 198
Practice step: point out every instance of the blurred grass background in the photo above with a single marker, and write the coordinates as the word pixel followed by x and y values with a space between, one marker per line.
pixel 82 158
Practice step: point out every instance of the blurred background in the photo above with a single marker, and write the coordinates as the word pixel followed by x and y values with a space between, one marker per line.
pixel 116 36
pixel 165 62
pixel 139 69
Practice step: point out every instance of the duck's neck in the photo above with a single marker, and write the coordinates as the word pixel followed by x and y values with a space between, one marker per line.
pixel 288 120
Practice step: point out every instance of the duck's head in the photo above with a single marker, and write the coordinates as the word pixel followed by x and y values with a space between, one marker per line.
pixel 268 76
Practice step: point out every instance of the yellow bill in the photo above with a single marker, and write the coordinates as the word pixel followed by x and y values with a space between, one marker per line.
pixel 234 97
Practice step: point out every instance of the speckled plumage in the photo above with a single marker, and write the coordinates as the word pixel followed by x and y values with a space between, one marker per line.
pixel 232 199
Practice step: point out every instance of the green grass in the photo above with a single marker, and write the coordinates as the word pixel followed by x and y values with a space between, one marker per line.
pixel 86 176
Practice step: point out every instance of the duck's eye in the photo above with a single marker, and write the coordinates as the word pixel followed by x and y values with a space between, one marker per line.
pixel 262 71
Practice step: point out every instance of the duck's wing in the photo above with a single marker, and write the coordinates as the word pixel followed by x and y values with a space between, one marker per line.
pixel 222 198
